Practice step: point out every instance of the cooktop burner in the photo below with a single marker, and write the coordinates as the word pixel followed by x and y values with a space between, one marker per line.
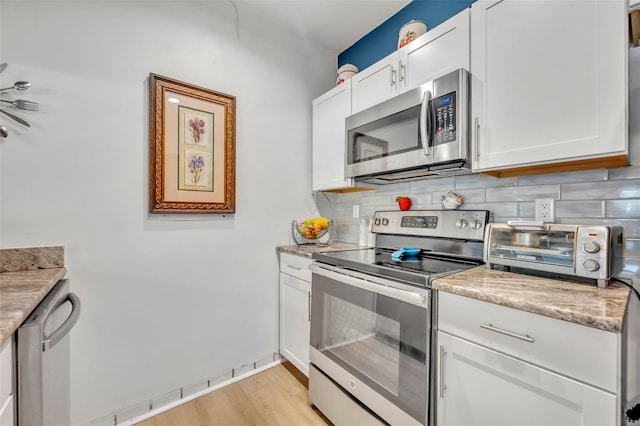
pixel 425 262
pixel 413 269
pixel 446 241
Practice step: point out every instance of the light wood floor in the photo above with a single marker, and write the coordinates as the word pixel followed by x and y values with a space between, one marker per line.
pixel 272 397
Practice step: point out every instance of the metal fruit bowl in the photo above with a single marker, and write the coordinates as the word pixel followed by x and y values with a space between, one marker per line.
pixel 308 233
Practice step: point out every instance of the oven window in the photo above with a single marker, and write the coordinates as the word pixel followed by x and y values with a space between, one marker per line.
pixel 378 339
pixel 389 135
pixel 365 340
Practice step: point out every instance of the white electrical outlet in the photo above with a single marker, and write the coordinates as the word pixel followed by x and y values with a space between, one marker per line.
pixel 545 210
pixel 356 211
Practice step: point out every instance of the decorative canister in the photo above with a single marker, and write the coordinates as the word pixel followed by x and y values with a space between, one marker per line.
pixel 410 31
pixel 345 72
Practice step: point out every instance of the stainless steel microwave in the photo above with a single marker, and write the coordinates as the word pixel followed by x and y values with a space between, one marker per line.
pixel 421 133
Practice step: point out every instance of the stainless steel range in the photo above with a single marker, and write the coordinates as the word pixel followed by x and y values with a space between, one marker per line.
pixel 371 315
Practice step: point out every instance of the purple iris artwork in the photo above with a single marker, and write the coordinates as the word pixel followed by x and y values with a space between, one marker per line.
pixel 196 166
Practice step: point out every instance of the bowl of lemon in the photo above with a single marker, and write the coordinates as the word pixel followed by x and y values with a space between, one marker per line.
pixel 312 231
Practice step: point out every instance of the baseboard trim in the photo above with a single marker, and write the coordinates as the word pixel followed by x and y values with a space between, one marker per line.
pixel 191 397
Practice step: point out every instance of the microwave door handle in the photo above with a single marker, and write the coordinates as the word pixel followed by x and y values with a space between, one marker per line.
pixel 425 118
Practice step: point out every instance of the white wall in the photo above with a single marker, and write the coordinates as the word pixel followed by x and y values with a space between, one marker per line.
pixel 165 302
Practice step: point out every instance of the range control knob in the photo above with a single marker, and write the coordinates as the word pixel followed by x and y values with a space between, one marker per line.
pixel 385 221
pixel 476 224
pixel 377 221
pixel 591 265
pixel 591 247
pixel 462 223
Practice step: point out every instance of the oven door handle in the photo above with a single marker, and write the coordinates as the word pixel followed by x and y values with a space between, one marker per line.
pixel 413 297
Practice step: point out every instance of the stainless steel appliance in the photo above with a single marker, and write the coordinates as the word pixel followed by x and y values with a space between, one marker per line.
pixel 371 315
pixel 588 251
pixel 420 133
pixel 43 391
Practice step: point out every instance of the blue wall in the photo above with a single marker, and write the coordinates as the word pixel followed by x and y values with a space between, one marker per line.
pixel 383 40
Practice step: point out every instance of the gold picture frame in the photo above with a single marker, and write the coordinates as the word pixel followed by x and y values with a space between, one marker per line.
pixel 192 148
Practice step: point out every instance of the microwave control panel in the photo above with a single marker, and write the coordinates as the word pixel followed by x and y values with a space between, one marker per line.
pixel 445 118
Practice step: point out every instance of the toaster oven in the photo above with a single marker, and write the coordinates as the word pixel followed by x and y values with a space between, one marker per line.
pixel 588 251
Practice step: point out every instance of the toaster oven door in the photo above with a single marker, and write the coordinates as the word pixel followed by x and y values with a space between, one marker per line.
pixel 544 248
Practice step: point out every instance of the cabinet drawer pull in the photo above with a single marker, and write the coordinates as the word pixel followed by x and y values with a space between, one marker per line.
pixel 403 71
pixel 443 352
pixel 393 76
pixel 489 327
pixel 297 268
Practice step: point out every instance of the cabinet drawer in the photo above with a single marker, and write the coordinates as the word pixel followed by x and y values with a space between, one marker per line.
pixel 296 266
pixel 577 351
pixel 6 370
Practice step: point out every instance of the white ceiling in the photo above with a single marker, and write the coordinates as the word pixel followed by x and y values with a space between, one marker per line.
pixel 333 24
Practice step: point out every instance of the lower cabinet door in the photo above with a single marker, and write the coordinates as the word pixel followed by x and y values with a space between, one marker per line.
pixel 478 386
pixel 295 297
pixel 7 415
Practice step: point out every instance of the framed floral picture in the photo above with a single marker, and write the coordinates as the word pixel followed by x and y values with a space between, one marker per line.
pixel 192 148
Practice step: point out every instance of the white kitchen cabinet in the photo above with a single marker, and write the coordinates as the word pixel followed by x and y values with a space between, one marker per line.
pixel 6 384
pixel 501 366
pixel 375 84
pixel 295 304
pixel 485 387
pixel 328 146
pixel 549 85
pixel 443 49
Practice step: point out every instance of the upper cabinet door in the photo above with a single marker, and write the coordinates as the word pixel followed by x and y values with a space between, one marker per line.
pixel 441 50
pixel 549 82
pixel 375 84
pixel 328 147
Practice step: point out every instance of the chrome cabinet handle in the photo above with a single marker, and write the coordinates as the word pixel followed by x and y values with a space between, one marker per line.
pixel 476 126
pixel 525 337
pixel 403 71
pixel 393 76
pixel 297 268
pixel 309 305
pixel 443 352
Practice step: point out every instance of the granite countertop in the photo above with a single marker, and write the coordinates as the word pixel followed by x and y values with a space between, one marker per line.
pixel 573 301
pixel 27 275
pixel 308 250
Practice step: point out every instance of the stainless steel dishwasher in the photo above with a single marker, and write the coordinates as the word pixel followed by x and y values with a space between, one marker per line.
pixel 43 363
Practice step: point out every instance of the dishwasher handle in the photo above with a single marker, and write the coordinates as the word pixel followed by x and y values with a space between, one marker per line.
pixel 50 341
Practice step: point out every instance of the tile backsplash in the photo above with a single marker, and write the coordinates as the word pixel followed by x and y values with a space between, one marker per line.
pixel 591 196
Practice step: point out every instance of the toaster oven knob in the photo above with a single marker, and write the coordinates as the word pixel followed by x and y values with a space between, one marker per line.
pixel 385 221
pixel 591 265
pixel 476 224
pixel 462 223
pixel 591 247
pixel 377 221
